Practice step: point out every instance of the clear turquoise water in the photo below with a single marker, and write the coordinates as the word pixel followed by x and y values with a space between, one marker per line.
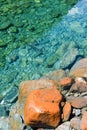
pixel 23 22
pixel 39 36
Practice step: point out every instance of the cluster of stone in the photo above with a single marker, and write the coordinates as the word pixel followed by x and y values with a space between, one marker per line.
pixel 44 54
pixel 55 101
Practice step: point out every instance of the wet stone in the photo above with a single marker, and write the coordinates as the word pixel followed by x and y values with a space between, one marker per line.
pixel 18 23
pixel 12 30
pixel 67 60
pixel 12 95
pixel 5 25
pixel 3 111
pixel 2 43
pixel 5 123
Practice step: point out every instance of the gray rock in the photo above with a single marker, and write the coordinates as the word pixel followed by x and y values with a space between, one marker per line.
pixel 77 112
pixel 64 126
pixel 75 123
pixel 11 96
pixel 5 123
pixel 67 59
pixel 3 111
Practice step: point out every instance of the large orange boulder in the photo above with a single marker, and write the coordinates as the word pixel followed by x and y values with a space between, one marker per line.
pixel 79 69
pixel 42 108
pixel 26 87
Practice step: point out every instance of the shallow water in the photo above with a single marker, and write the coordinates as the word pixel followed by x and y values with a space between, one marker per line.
pixel 23 22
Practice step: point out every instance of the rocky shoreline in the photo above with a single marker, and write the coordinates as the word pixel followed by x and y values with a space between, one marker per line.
pixel 54 67
pixel 56 101
pixel 53 51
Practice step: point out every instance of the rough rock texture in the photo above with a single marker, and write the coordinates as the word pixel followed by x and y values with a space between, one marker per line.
pixel 67 59
pixel 66 82
pixel 5 123
pixel 79 102
pixel 84 121
pixel 75 123
pixel 80 68
pixel 66 111
pixel 15 119
pixel 42 108
pixel 26 87
pixel 64 126
pixel 80 85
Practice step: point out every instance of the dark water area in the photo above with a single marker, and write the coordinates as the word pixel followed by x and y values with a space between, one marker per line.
pixel 39 36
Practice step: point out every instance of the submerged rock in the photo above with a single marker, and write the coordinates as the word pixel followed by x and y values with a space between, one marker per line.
pixel 67 60
pixel 79 69
pixel 5 123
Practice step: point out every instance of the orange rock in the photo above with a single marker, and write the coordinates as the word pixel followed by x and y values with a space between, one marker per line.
pixel 65 82
pixel 66 111
pixel 26 87
pixel 42 108
pixel 84 121
pixel 79 102
pixel 79 69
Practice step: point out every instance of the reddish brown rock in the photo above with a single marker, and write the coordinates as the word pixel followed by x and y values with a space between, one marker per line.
pixel 79 102
pixel 84 121
pixel 79 69
pixel 80 85
pixel 75 123
pixel 26 87
pixel 66 82
pixel 42 108
pixel 66 111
